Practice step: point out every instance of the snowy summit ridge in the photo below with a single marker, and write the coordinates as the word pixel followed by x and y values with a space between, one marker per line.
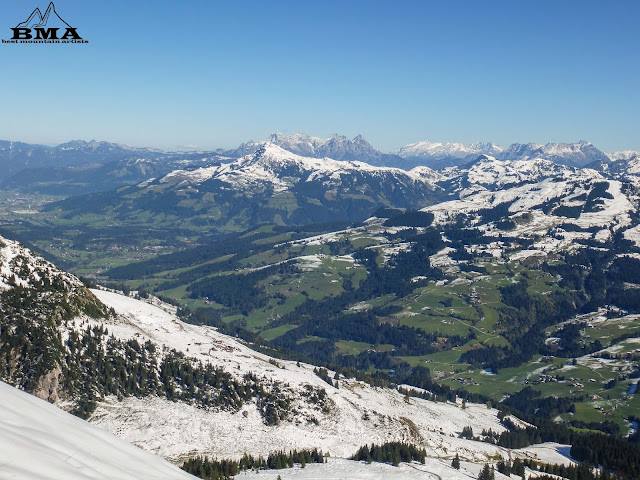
pixel 272 164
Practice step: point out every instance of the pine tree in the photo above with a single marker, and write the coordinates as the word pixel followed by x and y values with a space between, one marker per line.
pixel 487 473
pixel 456 462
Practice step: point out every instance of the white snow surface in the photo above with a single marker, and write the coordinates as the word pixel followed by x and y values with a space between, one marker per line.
pixel 176 430
pixel 38 441
pixel 336 468
pixel 497 173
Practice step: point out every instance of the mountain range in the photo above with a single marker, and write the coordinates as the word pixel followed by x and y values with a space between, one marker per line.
pixel 269 185
pixel 337 147
pixel 82 167
pixel 17 156
pixel 429 297
pixel 273 185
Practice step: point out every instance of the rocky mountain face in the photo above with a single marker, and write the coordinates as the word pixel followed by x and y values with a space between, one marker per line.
pixel 442 155
pixel 37 300
pixel 337 147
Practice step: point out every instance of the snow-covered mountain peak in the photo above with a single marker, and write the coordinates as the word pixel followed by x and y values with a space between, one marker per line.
pixel 491 171
pixel 427 148
pixel 487 173
pixel 576 154
pixel 623 155
pixel 275 157
pixel 336 146
pixel 322 181
pixel 442 155
pixel 273 163
pixel 488 148
pixel 298 142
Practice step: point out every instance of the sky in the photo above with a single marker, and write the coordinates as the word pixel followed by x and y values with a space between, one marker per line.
pixel 216 73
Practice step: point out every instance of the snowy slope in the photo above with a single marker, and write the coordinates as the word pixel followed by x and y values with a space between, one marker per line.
pixel 539 210
pixel 432 469
pixel 623 155
pixel 19 266
pixel 39 441
pixel 357 413
pixel 490 174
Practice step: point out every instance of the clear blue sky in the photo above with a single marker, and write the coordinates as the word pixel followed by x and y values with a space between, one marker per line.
pixel 215 73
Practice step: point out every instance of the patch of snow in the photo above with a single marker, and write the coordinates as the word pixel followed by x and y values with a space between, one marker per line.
pixel 337 468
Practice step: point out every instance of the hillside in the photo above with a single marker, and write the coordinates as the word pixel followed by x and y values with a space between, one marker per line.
pixel 139 372
pixel 343 419
pixel 37 301
pixel 443 288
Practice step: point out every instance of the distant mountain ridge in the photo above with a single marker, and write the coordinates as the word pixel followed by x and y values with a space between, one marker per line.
pixel 577 154
pixel 17 156
pixel 434 155
pixel 337 147
pixel 98 177
pixel 79 167
pixel 439 155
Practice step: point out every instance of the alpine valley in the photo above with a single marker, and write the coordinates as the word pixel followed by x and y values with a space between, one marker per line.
pixel 315 308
